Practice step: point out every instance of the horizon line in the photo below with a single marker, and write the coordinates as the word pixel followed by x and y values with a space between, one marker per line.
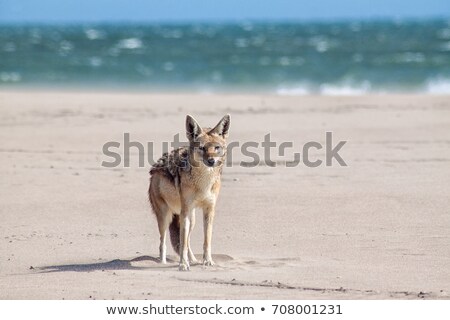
pixel 227 21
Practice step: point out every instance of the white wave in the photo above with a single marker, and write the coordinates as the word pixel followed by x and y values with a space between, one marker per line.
pixel 410 57
pixel 10 77
pixel 172 34
pixel 444 33
pixel 9 47
pixel 93 34
pixel 66 46
pixel 321 43
pixel 292 91
pixel 241 43
pixel 168 66
pixel 130 43
pixel 445 46
pixel 326 89
pixel 345 89
pixel 438 86
pixel 95 61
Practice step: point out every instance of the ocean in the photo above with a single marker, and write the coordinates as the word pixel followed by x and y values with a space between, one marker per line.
pixel 286 58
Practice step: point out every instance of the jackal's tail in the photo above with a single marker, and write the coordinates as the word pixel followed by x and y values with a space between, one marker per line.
pixel 174 230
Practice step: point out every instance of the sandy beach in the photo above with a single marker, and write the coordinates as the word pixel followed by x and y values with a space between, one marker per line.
pixel 378 228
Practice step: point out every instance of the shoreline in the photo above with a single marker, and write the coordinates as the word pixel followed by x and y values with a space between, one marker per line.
pixel 200 92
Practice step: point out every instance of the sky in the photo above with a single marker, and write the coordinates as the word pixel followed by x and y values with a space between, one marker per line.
pixel 215 10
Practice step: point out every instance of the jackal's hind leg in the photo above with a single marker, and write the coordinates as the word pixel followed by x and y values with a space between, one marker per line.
pixel 164 221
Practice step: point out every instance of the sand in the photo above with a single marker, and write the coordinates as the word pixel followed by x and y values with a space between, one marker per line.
pixel 378 228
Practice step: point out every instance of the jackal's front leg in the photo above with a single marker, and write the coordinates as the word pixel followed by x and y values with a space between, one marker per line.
pixel 185 222
pixel 208 218
pixel 191 255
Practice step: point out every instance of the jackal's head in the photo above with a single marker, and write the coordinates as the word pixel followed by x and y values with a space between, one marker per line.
pixel 207 146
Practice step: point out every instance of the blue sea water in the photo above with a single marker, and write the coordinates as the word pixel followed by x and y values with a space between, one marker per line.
pixel 351 57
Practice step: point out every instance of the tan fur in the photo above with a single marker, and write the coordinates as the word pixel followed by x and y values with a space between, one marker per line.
pixel 183 181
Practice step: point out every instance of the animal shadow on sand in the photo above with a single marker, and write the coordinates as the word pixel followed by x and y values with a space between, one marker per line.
pixel 116 264
pixel 124 264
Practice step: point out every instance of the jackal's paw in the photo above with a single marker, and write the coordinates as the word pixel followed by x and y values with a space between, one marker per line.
pixel 193 260
pixel 162 261
pixel 183 267
pixel 208 262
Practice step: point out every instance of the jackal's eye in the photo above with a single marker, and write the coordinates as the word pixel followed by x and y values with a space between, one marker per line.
pixel 217 148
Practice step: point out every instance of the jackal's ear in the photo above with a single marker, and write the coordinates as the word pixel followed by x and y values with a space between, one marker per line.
pixel 193 129
pixel 222 127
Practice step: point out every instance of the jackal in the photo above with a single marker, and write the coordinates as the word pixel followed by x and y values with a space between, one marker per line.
pixel 186 179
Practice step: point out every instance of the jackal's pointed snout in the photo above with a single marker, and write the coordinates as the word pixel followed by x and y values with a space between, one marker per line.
pixel 210 162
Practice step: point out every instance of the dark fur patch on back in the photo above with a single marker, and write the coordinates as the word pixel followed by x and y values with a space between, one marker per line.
pixel 170 164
